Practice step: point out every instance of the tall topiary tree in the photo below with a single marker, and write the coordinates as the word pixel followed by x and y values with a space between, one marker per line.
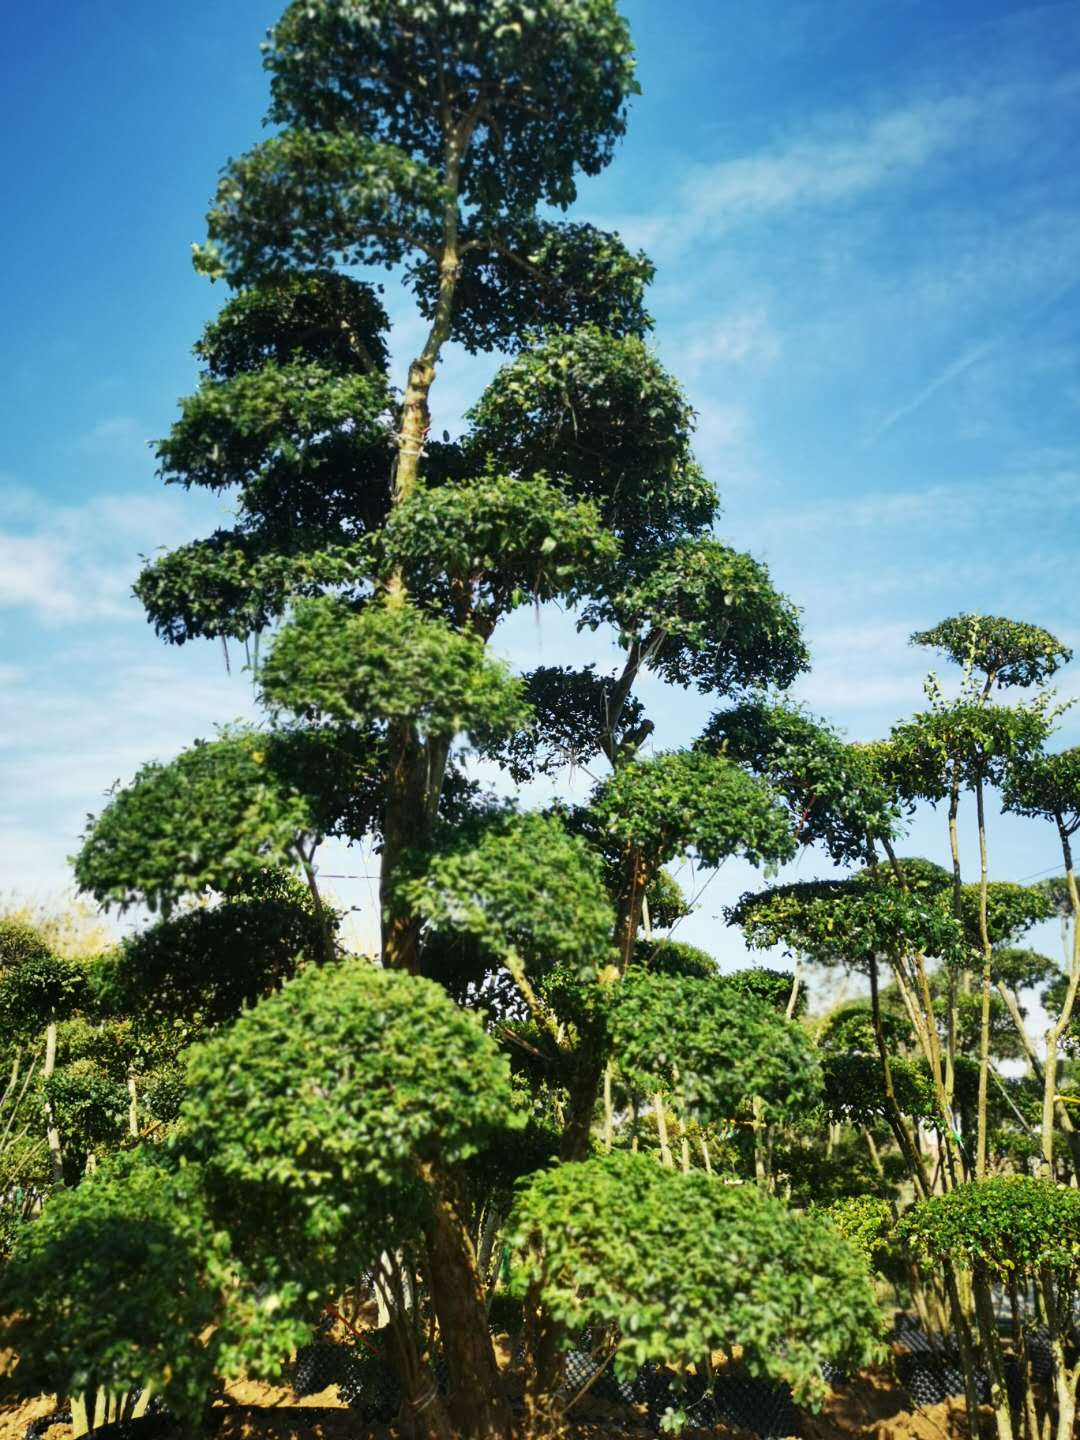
pixel 361 1107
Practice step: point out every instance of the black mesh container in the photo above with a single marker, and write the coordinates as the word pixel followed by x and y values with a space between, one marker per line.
pixel 763 1406
pixel 37 1428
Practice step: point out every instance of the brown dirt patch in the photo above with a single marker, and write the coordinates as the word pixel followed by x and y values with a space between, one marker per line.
pixel 871 1407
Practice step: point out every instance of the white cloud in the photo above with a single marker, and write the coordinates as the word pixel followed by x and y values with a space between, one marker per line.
pixel 951 372
pixel 720 428
pixel 68 564
pixel 848 156
pixel 744 338
pixel 836 158
pixel 112 433
pixel 1015 496
pixel 47 575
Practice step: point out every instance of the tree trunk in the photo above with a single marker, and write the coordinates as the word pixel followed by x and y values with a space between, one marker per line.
pixel 1054 1034
pixel 1023 1356
pixel 666 1157
pixel 1038 1070
pixel 628 906
pixel 423 1414
pixel 950 1021
pixel 322 918
pixel 404 825
pixel 924 1023
pixel 923 1189
pixel 987 983
pixel 544 1370
pixel 1066 1378
pixel 56 1157
pixel 991 1345
pixel 584 1088
pixel 477 1402
pixel 892 1109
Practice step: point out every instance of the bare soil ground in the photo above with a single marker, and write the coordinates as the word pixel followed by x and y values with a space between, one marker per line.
pixel 870 1406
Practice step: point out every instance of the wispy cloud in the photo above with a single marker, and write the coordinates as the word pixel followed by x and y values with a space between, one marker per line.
pixel 849 156
pixel 838 157
pixel 110 434
pixel 1016 496
pixel 746 337
pixel 67 564
pixel 950 373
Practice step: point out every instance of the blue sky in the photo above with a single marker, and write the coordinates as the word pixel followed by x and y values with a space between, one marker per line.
pixel 866 220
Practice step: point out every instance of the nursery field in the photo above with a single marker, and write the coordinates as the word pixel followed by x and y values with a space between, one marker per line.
pixel 875 1403
pixel 536 1166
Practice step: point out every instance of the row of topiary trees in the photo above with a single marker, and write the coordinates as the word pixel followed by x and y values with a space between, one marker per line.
pixel 226 1123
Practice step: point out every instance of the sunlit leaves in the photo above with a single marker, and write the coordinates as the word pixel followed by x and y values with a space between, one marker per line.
pixel 1012 1224
pixel 605 416
pixel 1046 785
pixel 321 1102
pixel 235 583
pixel 833 789
pixel 521 277
pixel 521 888
pixel 703 614
pixel 389 662
pixel 216 812
pixel 681 1266
pixel 20 941
pixel 849 921
pixel 114 1286
pixel 37 989
pixel 969 741
pixel 1011 910
pixel 304 199
pixel 710 1047
pixel 329 318
pixel 230 429
pixel 544 86
pixel 490 544
pixel 1004 652
pixel 688 801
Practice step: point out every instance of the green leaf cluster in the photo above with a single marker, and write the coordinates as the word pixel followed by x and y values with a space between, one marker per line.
pixel 1046 785
pixel 1006 652
pixel 710 1046
pixel 575 716
pixel 501 540
pixel 970 742
pixel 114 1286
pixel 846 922
pixel 682 1266
pixel 601 413
pixel 206 965
pixel 1009 1224
pixel 530 275
pixel 854 1088
pixel 387 662
pixel 546 82
pixel 682 801
pixel 865 1221
pixel 216 813
pixel 38 989
pixel 704 614
pixel 315 1111
pixel 833 789
pixel 519 886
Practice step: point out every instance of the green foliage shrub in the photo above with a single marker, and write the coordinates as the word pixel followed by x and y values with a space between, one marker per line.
pixel 681 1266
pixel 114 1286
